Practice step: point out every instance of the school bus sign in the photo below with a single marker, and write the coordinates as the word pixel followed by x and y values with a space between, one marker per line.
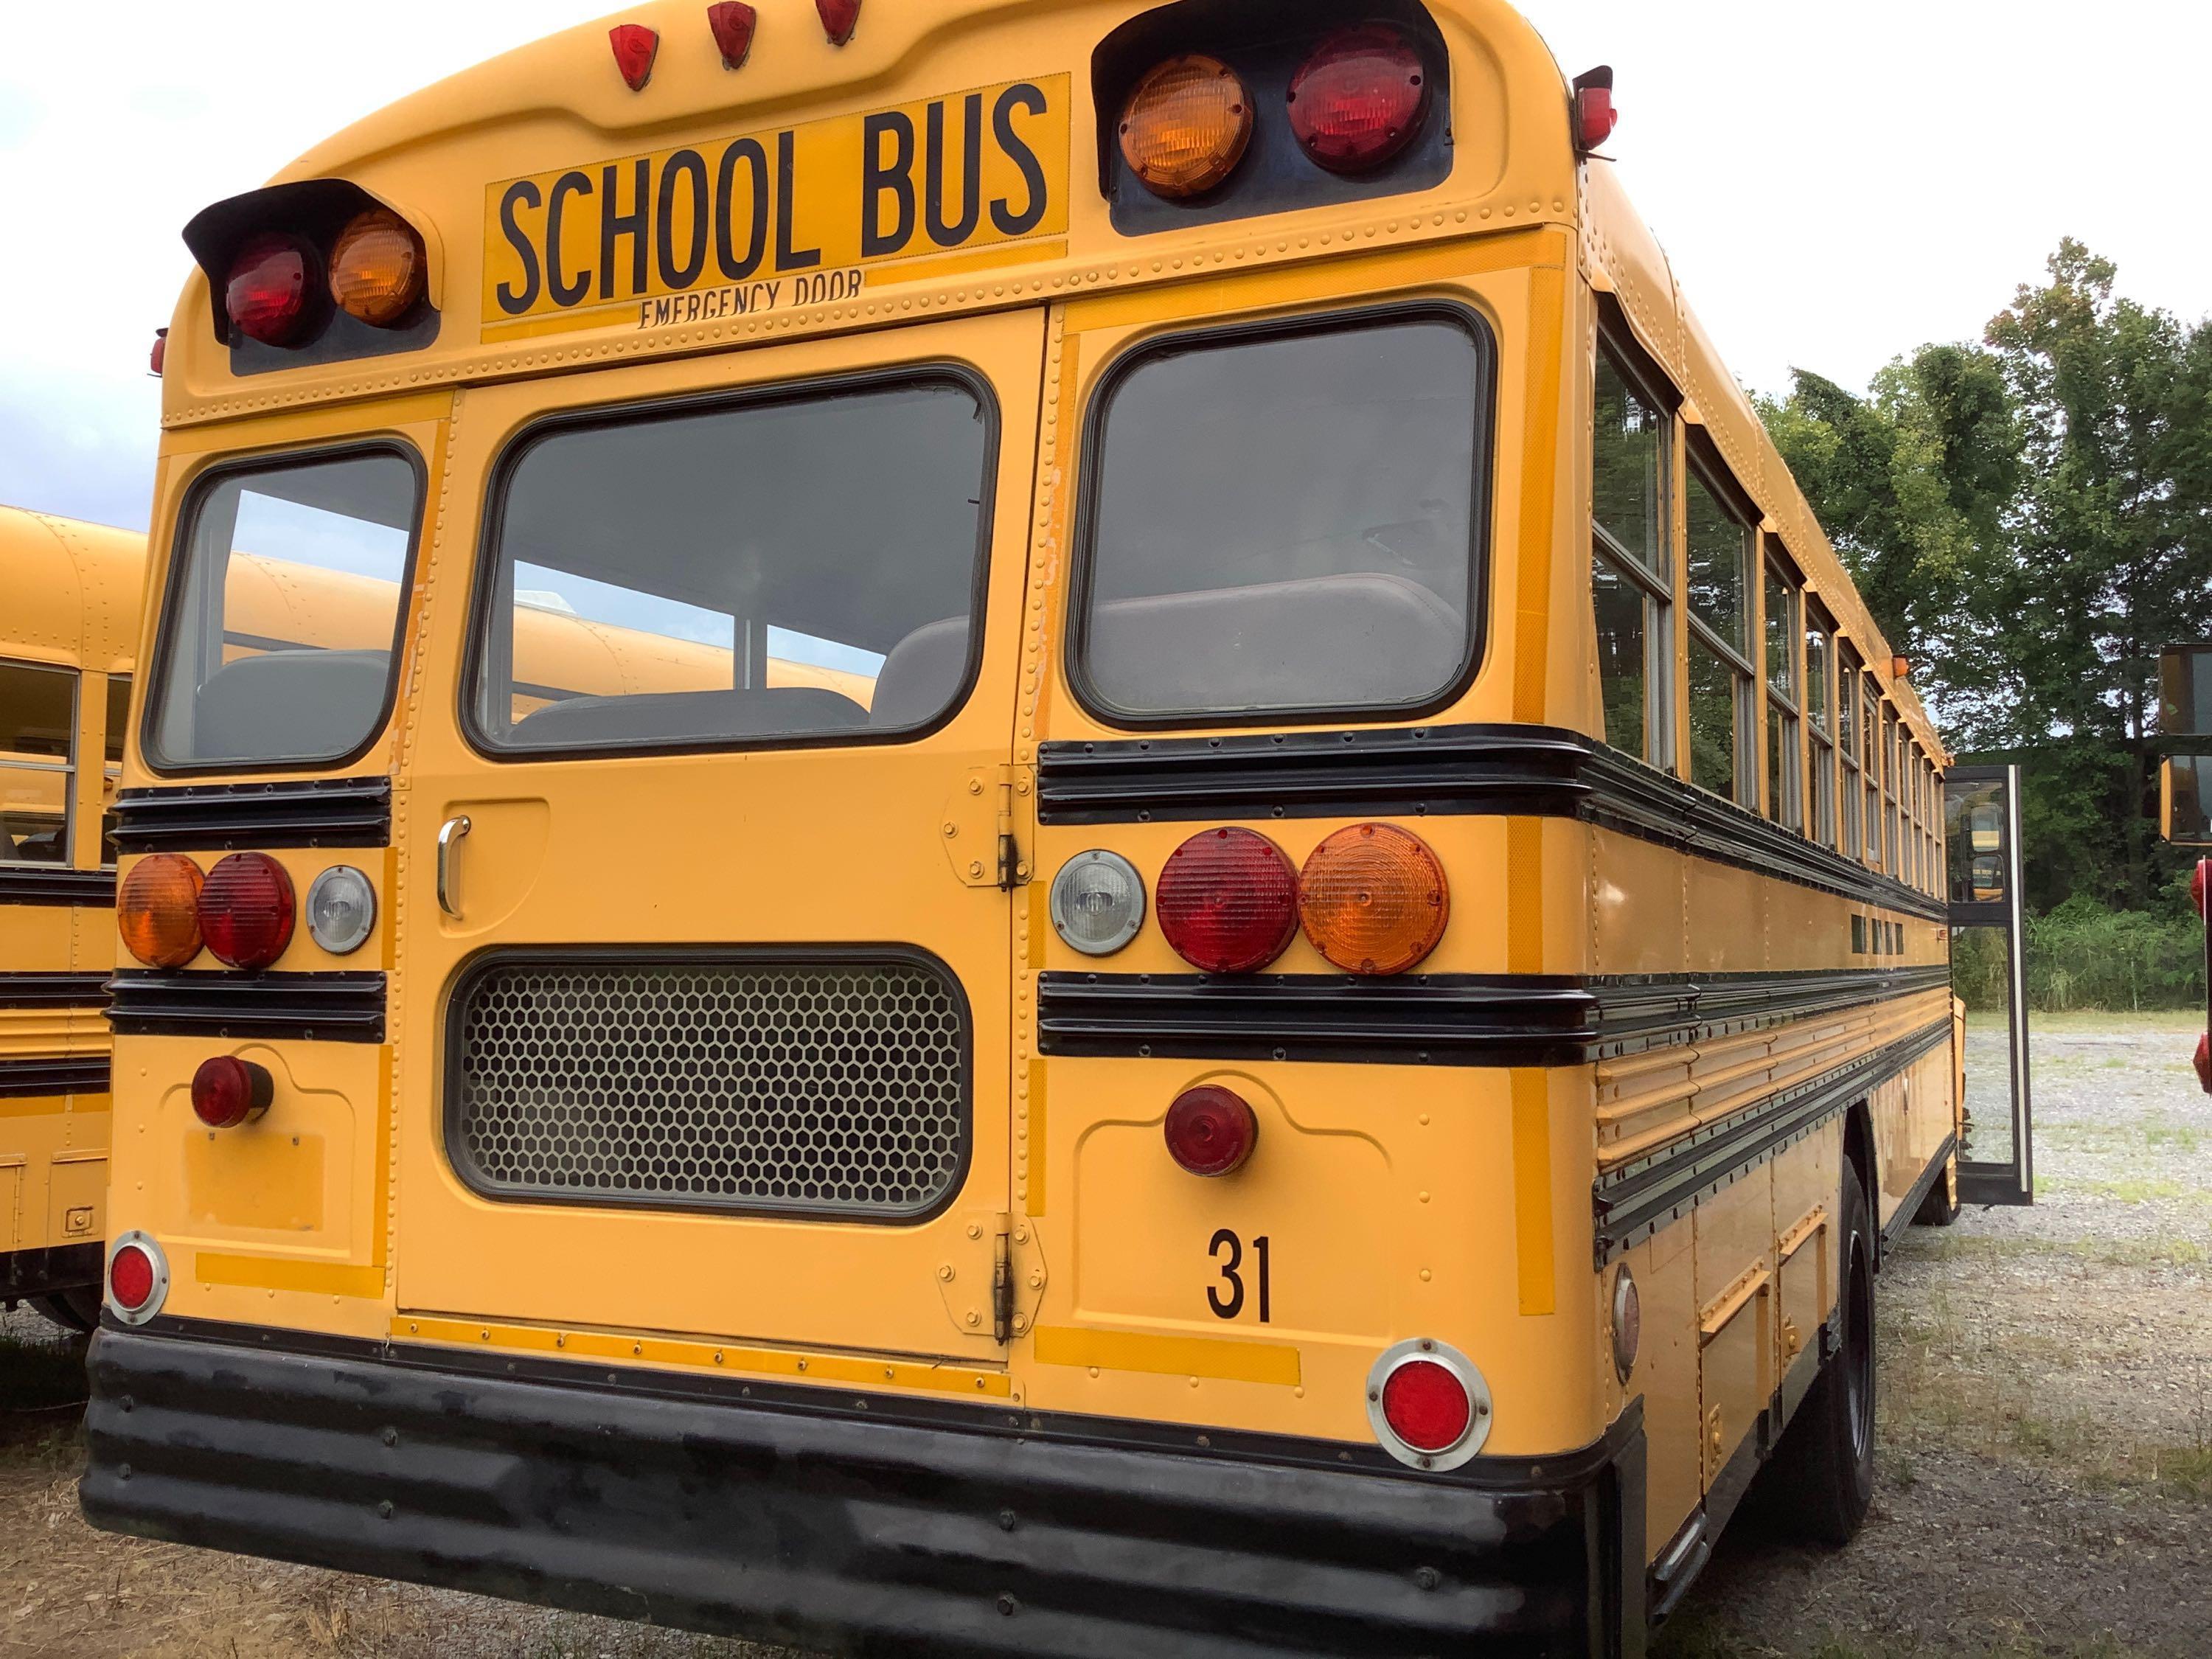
pixel 788 216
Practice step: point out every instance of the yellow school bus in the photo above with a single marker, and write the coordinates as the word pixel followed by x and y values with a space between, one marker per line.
pixel 71 596
pixel 1248 956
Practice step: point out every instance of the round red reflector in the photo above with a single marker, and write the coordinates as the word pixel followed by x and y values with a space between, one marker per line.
pixel 1228 902
pixel 271 281
pixel 130 1278
pixel 226 1092
pixel 1360 99
pixel 1426 1406
pixel 1212 1132
pixel 247 910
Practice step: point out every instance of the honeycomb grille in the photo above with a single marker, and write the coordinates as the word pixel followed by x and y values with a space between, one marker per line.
pixel 831 1089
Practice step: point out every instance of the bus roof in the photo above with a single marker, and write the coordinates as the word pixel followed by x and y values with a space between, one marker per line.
pixel 71 592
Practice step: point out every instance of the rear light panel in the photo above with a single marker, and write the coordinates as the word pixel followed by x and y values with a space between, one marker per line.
pixel 314 272
pixel 1329 114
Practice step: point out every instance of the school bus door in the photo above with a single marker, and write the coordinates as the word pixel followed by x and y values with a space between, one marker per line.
pixel 1981 806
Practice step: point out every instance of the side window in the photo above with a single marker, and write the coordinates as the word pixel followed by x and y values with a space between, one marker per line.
pixel 1287 522
pixel 118 720
pixel 1851 753
pixel 1785 791
pixel 1890 860
pixel 282 619
pixel 1820 726
pixel 1871 739
pixel 38 757
pixel 1632 566
pixel 1721 676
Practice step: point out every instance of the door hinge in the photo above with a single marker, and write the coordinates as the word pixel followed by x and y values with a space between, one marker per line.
pixel 1002 1290
pixel 978 830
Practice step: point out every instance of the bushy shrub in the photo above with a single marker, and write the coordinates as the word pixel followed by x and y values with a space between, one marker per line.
pixel 2082 956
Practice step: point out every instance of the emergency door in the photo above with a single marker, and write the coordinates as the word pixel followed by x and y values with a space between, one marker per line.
pixel 1981 809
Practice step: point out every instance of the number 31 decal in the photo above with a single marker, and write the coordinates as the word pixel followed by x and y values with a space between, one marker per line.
pixel 1227 1298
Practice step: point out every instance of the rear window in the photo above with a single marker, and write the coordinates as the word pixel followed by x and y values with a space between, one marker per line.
pixel 803 569
pixel 284 615
pixel 1287 523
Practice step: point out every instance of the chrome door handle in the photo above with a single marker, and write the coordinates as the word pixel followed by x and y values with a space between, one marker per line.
pixel 449 859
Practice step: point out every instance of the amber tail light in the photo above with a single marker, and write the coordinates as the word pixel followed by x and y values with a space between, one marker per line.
pixel 1373 900
pixel 1187 126
pixel 377 269
pixel 157 912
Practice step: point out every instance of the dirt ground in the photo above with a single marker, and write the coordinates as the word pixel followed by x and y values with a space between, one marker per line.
pixel 2044 1487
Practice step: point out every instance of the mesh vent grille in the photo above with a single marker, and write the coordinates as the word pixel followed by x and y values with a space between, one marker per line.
pixel 830 1089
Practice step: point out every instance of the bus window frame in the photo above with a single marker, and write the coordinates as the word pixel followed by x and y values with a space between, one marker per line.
pixel 1784 706
pixel 1821 739
pixel 65 768
pixel 478 653
pixel 175 576
pixel 1705 468
pixel 1481 510
pixel 1654 583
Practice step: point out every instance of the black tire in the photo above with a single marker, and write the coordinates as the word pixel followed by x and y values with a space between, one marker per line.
pixel 73 1310
pixel 1822 1482
pixel 1941 1207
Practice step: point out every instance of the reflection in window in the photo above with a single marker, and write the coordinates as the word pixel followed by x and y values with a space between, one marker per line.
pixel 118 726
pixel 1629 501
pixel 1974 826
pixel 714 578
pixel 1624 646
pixel 1871 741
pixel 1717 542
pixel 1716 744
pixel 37 751
pixel 1820 725
pixel 1287 522
pixel 1850 752
pixel 1785 795
pixel 278 644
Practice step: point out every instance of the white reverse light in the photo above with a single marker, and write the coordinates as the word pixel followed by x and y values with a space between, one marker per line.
pixel 1098 902
pixel 341 909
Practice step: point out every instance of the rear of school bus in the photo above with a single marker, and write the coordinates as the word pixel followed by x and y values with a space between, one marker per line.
pixel 70 595
pixel 1040 1101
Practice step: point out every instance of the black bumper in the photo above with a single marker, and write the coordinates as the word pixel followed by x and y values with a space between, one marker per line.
pixel 876 1525
pixel 44 1273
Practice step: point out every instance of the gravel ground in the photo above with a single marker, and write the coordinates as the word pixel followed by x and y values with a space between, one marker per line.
pixel 2045 1485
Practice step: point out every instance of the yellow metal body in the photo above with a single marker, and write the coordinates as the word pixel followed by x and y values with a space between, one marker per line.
pixel 1398 1200
pixel 71 602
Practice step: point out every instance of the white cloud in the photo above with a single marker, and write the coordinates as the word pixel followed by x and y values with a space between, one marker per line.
pixel 1835 186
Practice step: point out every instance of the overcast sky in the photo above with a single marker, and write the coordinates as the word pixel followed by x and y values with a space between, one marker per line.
pixel 1835 185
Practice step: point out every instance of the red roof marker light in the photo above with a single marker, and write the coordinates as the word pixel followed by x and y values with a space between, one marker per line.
pixel 635 47
pixel 734 22
pixel 840 18
pixel 1595 117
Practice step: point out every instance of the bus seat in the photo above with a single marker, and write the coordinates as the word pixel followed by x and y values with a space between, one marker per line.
pixel 1352 640
pixel 682 716
pixel 302 703
pixel 921 674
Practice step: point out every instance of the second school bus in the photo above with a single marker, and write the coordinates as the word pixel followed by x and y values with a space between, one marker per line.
pixel 1266 981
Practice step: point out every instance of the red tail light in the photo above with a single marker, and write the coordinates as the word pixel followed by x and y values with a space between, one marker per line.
pixel 1228 902
pixel 1595 117
pixel 247 910
pixel 840 18
pixel 734 22
pixel 160 357
pixel 226 1092
pixel 131 1276
pixel 635 47
pixel 272 282
pixel 1360 99
pixel 1212 1132
pixel 1426 1406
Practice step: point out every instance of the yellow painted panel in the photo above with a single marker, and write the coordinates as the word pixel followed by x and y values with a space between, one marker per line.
pixel 1171 1356
pixel 778 219
pixel 76 1194
pixel 11 1205
pixel 243 1178
pixel 269 1272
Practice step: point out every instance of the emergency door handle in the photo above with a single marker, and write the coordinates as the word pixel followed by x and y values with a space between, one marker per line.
pixel 449 861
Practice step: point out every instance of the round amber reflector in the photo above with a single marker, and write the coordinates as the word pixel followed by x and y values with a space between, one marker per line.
pixel 376 269
pixel 1360 99
pixel 1427 1407
pixel 158 910
pixel 1373 899
pixel 1187 126
pixel 130 1278
pixel 1228 902
pixel 247 910
pixel 1212 1132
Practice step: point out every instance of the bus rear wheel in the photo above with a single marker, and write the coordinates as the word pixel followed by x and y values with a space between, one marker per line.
pixel 73 1310
pixel 1821 1483
pixel 1941 1207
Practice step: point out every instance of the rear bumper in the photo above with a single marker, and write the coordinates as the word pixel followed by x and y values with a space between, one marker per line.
pixel 884 1525
pixel 43 1272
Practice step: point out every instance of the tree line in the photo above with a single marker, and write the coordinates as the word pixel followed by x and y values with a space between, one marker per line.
pixel 2029 517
